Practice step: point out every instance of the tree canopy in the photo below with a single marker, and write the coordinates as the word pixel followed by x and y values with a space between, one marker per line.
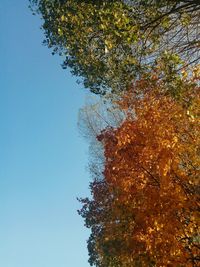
pixel 109 43
pixel 145 134
pixel 144 209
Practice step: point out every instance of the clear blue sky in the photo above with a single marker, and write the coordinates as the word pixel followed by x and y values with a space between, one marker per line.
pixel 43 159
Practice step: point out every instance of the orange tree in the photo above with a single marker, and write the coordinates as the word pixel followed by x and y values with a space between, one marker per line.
pixel 145 209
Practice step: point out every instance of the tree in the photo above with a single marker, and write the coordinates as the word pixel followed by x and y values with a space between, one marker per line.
pixel 145 209
pixel 108 43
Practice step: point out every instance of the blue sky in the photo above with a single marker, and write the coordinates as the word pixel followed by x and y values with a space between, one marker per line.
pixel 43 159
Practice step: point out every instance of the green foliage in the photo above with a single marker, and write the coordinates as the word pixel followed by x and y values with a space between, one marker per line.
pixel 89 36
pixel 110 43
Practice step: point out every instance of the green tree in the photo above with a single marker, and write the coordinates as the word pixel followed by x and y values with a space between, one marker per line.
pixel 108 43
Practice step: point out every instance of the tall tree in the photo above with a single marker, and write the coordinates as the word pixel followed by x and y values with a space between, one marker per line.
pixel 144 211
pixel 109 43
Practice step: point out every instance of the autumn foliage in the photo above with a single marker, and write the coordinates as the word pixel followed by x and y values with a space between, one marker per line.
pixel 141 57
pixel 145 211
